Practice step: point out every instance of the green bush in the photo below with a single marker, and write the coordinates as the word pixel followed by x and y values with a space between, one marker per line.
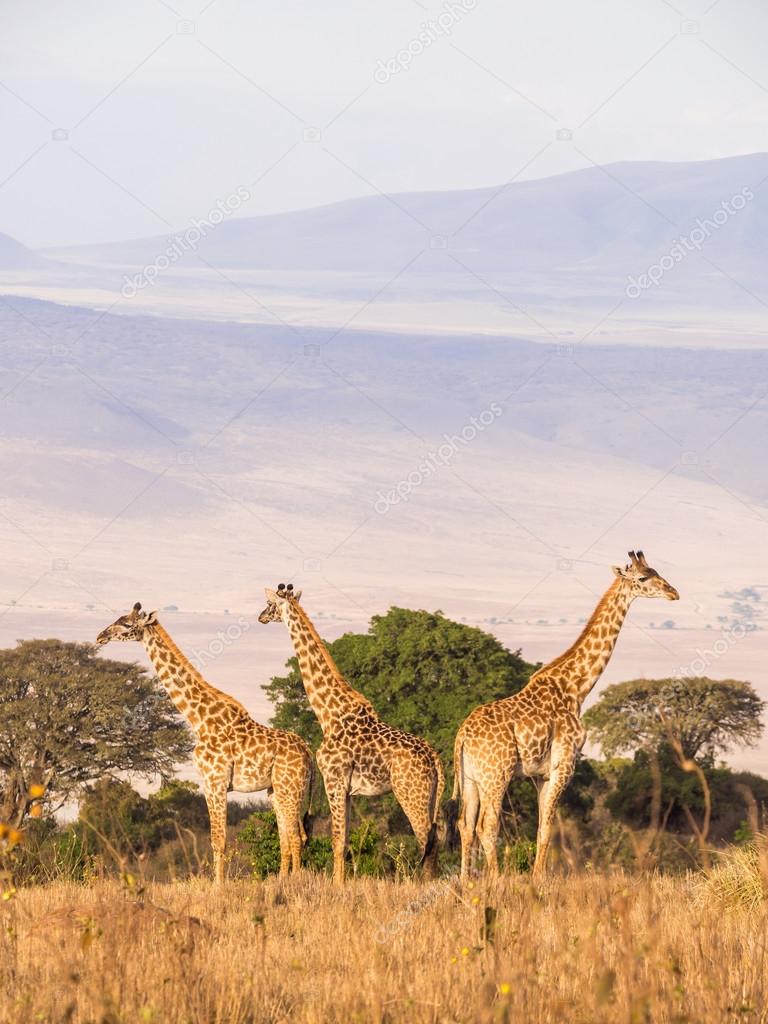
pixel 519 856
pixel 261 843
pixel 743 835
pixel 115 819
pixel 179 803
pixel 630 801
pixel 370 855
pixel 51 854
pixel 364 849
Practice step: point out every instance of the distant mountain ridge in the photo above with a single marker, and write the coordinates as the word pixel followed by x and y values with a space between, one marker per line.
pixel 15 256
pixel 612 220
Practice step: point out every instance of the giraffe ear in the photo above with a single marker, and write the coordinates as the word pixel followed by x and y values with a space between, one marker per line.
pixel 297 595
pixel 151 619
pixel 270 594
pixel 618 571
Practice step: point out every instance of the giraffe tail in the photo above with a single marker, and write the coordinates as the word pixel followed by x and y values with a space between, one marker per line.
pixel 452 807
pixel 430 849
pixel 309 819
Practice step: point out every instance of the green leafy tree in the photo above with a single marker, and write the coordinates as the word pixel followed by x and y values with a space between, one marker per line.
pixel 731 794
pixel 631 799
pixel 421 671
pixel 114 817
pixel 706 716
pixel 180 802
pixel 68 718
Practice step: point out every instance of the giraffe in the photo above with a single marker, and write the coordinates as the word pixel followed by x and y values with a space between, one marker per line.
pixel 359 754
pixel 232 751
pixel 537 732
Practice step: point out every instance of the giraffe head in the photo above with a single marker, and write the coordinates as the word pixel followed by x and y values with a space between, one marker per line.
pixel 128 627
pixel 278 602
pixel 643 580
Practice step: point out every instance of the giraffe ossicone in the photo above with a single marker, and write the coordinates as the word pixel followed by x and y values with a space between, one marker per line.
pixel 232 750
pixel 360 754
pixel 538 732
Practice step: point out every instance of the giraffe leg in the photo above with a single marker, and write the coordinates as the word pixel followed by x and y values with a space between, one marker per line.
pixel 297 840
pixel 470 808
pixel 488 827
pixel 414 784
pixel 216 798
pixel 337 779
pixel 337 792
pixel 549 796
pixel 541 785
pixel 284 831
pixel 288 793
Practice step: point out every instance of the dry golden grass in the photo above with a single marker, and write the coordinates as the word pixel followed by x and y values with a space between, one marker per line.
pixel 587 949
pixel 740 876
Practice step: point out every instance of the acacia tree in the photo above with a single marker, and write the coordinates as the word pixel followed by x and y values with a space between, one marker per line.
pixel 704 716
pixel 69 718
pixel 421 671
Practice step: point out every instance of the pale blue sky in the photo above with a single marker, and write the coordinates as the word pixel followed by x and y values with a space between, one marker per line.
pixel 171 105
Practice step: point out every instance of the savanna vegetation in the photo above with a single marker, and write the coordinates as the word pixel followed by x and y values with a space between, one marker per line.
pixel 591 948
pixel 69 718
pixel 109 915
pixel 73 725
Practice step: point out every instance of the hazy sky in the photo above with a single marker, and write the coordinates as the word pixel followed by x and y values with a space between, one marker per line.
pixel 170 106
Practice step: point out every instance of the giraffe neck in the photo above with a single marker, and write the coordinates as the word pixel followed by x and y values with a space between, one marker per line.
pixel 329 694
pixel 184 684
pixel 583 663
